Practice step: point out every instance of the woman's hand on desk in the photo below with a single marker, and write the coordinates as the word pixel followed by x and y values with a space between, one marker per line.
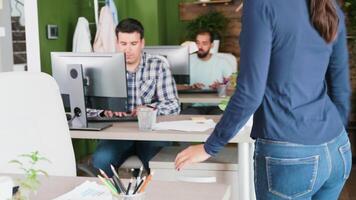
pixel 192 154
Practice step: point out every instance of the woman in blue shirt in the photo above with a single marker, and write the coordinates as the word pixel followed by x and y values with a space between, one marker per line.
pixel 294 78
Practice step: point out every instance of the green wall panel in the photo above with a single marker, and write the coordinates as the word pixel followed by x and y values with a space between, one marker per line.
pixel 159 17
pixel 64 13
pixel 174 27
pixel 146 11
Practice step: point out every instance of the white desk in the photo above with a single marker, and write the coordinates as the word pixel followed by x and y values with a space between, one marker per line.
pixel 52 187
pixel 129 131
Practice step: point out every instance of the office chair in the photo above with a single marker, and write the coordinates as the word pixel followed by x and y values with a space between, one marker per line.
pixel 32 118
pixel 231 60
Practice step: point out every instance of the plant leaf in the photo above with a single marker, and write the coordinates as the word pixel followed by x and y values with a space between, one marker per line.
pixel 16 162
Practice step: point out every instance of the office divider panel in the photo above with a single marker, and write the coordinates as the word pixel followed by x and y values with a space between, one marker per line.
pixel 6 52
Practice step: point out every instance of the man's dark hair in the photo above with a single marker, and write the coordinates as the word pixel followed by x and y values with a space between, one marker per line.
pixel 129 25
pixel 204 32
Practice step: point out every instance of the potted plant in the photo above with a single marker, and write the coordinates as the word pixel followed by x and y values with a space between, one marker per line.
pixel 350 10
pixel 30 183
pixel 214 22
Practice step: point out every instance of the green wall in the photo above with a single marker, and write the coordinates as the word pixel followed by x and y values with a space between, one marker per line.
pixel 175 28
pixel 159 17
pixel 64 14
pixel 150 13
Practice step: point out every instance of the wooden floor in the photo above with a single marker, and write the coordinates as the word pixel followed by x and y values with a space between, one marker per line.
pixel 349 191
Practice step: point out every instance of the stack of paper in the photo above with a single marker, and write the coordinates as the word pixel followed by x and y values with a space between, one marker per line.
pixel 87 191
pixel 186 125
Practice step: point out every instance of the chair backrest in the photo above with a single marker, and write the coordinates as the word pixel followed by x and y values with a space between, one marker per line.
pixel 216 45
pixel 231 60
pixel 32 118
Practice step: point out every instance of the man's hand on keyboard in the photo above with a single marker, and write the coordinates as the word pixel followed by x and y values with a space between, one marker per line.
pixel 109 113
pixel 214 85
pixel 197 86
pixel 134 112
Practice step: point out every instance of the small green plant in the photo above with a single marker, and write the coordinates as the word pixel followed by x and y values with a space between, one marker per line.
pixel 215 22
pixel 231 85
pixel 28 165
pixel 223 104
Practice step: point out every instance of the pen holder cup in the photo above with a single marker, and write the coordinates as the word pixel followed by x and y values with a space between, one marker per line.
pixel 146 118
pixel 138 196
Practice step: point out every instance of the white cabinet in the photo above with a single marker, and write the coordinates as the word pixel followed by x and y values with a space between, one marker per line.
pixel 220 169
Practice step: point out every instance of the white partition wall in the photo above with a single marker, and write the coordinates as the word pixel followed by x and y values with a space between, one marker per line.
pixel 32 36
pixel 6 56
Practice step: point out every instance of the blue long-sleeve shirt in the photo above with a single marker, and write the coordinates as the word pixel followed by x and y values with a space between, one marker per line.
pixel 295 83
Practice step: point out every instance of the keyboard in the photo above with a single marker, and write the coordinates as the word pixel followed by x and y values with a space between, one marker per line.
pixel 197 91
pixel 113 119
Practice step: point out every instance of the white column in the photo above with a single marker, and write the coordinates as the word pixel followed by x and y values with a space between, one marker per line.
pixel 32 36
pixel 252 172
pixel 6 49
pixel 244 170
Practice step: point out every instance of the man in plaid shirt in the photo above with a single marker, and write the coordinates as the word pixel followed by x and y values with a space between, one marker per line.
pixel 149 82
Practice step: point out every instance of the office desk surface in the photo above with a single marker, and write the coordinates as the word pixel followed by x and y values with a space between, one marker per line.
pixel 54 186
pixel 130 131
pixel 200 98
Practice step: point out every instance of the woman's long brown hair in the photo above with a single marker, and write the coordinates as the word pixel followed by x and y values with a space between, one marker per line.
pixel 324 18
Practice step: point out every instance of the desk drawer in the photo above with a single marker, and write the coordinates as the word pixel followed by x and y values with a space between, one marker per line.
pixel 220 169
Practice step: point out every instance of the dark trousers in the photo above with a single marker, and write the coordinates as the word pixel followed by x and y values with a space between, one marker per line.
pixel 204 110
pixel 115 152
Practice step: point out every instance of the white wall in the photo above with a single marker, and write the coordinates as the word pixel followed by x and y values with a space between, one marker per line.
pixel 17 9
pixel 32 36
pixel 6 55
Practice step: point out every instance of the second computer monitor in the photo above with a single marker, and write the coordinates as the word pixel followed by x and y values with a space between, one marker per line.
pixel 178 58
pixel 104 78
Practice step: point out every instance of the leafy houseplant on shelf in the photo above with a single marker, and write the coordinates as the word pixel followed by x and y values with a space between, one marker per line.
pixel 350 10
pixel 214 21
pixel 30 183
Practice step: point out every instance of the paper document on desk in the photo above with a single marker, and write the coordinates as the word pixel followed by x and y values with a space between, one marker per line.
pixel 186 125
pixel 87 191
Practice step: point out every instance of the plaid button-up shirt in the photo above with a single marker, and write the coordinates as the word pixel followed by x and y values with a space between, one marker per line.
pixel 152 84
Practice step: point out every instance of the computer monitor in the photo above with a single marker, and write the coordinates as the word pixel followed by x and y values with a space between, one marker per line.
pixel 91 80
pixel 178 58
pixel 104 78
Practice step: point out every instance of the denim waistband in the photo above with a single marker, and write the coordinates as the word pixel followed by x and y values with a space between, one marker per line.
pixel 284 143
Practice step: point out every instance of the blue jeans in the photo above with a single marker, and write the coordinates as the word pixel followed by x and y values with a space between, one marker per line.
pixel 294 171
pixel 115 152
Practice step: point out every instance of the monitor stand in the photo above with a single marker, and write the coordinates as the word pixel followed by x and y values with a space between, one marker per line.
pixel 77 102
